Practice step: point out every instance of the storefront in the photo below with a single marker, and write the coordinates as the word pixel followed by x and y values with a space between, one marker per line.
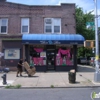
pixel 52 51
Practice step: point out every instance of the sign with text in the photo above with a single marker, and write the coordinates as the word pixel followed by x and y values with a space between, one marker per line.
pixel 50 42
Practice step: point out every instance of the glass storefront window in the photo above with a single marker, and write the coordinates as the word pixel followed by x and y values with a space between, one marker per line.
pixel 37 55
pixel 64 57
pixel 61 56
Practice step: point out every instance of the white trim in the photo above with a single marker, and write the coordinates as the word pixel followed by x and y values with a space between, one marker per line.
pixel 6 26
pixel 52 25
pixel 25 25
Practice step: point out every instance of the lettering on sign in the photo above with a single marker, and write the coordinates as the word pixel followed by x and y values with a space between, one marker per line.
pixel 50 42
pixel 57 42
pixel 43 42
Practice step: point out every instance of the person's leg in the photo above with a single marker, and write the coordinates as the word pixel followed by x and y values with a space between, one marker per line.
pixel 17 72
pixel 20 71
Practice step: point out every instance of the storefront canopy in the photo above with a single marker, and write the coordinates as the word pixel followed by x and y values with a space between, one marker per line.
pixel 53 39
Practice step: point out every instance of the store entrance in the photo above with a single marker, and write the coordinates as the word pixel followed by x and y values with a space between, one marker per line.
pixel 51 57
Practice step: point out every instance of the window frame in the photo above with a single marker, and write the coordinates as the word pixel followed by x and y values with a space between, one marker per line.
pixel 25 25
pixel 52 25
pixel 2 25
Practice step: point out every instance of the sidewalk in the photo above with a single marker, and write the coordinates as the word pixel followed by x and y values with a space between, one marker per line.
pixel 84 78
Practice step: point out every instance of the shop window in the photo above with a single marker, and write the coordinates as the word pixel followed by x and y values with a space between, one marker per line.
pixel 52 25
pixel 64 57
pixel 3 25
pixel 25 25
pixel 38 56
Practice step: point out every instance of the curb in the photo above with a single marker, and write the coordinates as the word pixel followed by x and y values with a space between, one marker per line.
pixel 3 87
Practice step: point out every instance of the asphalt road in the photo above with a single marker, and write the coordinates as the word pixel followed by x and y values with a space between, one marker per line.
pixel 48 94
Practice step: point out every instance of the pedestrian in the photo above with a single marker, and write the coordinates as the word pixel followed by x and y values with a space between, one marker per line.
pixel 19 67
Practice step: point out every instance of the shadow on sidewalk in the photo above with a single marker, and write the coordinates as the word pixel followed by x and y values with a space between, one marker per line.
pixel 83 68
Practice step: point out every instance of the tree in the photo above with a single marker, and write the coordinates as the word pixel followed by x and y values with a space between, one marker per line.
pixel 89 34
pixel 81 20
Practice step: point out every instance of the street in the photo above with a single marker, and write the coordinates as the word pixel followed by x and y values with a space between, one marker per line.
pixel 48 94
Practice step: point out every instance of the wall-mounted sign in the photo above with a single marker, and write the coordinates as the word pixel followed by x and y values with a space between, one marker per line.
pixel 50 42
pixel 12 54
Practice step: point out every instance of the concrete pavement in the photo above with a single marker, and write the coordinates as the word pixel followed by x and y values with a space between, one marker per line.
pixel 84 78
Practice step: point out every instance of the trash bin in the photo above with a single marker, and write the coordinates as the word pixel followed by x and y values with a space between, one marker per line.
pixel 72 76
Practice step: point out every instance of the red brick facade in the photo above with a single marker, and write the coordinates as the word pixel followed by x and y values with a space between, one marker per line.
pixel 36 14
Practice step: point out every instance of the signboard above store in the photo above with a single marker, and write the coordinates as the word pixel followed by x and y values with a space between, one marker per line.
pixel 50 42
pixel 72 39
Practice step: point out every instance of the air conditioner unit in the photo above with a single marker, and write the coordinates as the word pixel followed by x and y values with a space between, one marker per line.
pixel 48 21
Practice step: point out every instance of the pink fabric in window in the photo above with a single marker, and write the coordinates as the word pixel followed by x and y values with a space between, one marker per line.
pixel 68 62
pixel 35 61
pixel 38 49
pixel 67 52
pixel 38 60
pixel 61 61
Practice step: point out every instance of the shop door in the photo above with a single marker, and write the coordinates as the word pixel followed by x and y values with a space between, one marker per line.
pixel 51 58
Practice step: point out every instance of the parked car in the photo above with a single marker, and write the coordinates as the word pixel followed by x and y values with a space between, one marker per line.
pixel 82 60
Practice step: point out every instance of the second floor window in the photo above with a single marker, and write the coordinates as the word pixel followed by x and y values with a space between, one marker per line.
pixel 3 25
pixel 25 25
pixel 52 25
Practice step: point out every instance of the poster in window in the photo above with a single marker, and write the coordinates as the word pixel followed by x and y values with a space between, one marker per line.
pixel 12 54
pixel 43 54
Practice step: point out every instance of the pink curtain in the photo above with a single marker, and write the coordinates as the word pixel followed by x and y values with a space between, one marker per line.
pixel 67 52
pixel 68 62
pixel 35 60
pixel 38 60
pixel 38 49
pixel 61 60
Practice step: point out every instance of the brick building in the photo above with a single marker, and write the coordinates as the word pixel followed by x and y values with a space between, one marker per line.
pixel 25 30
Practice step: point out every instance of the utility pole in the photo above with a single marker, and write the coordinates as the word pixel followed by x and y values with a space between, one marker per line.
pixel 97 72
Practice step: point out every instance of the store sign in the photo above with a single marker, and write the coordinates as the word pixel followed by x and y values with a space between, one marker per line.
pixel 50 42
pixel 12 53
pixel 43 42
pixel 57 42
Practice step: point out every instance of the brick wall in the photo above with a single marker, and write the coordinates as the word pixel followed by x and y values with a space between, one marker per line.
pixel 36 14
pixel 14 13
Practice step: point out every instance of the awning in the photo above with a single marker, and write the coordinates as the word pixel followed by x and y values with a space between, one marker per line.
pixel 52 39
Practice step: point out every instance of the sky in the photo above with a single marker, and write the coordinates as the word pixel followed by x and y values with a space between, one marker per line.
pixel 86 5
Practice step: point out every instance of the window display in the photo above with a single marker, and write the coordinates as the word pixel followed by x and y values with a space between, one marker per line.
pixel 52 57
pixel 38 56
pixel 64 57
